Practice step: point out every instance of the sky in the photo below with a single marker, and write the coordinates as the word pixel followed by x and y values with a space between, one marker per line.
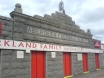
pixel 88 14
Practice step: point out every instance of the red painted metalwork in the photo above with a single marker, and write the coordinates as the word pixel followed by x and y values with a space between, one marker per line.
pixel 97 60
pixel 67 64
pixel 33 64
pixel 64 63
pixel 40 65
pixel 37 64
pixel 85 62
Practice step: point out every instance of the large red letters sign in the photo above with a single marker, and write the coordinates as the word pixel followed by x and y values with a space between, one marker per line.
pixel 19 45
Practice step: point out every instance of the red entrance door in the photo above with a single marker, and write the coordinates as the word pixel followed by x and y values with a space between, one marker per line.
pixel 97 60
pixel 37 64
pixel 85 62
pixel 67 64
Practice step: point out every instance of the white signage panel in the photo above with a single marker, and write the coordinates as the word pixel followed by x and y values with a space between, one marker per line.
pixel 102 46
pixel 53 54
pixel 28 50
pixel 20 54
pixel 28 46
pixel 71 49
pixel 88 50
pixel 79 57
pixel 10 44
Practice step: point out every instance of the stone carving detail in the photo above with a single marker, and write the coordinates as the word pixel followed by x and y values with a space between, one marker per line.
pixel 61 7
pixel 18 8
pixel 88 31
pixel 52 34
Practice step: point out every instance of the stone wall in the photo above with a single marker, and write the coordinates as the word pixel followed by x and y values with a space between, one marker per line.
pixel 13 67
pixel 54 66
pixel 91 62
pixel 0 63
pixel 101 60
pixel 77 67
pixel 57 23
pixel 7 27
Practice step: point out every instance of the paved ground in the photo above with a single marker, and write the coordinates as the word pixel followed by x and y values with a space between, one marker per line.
pixel 97 74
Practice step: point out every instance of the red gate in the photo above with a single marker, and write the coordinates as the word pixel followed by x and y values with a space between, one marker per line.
pixel 97 60
pixel 85 62
pixel 37 64
pixel 67 64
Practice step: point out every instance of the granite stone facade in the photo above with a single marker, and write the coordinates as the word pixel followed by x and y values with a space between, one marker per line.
pixel 54 66
pixel 101 60
pixel 77 67
pixel 11 67
pixel 57 28
pixel 91 61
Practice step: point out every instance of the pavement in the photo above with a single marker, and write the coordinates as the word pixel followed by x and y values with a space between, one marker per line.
pixel 96 74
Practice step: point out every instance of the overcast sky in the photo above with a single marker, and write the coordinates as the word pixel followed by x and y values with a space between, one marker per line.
pixel 88 14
